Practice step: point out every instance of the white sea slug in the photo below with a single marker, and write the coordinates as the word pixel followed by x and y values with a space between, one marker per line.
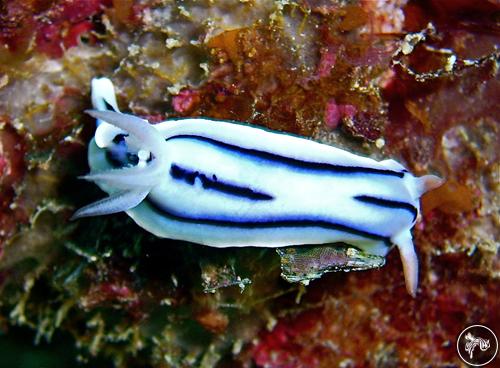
pixel 227 184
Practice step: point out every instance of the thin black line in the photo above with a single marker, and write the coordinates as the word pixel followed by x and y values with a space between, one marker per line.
pixel 289 161
pixel 108 105
pixel 388 204
pixel 269 223
pixel 190 176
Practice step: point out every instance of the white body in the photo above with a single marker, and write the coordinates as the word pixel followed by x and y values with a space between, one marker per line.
pixel 226 184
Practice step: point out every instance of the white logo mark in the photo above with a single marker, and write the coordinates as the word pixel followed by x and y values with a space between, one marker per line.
pixel 473 341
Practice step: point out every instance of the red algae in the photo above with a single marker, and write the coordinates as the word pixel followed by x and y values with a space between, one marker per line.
pixel 55 26
pixel 185 101
pixel 109 293
pixel 66 23
pixel 360 324
pixel 16 26
pixel 286 346
pixel 12 169
pixel 12 149
pixel 334 113
pixel 326 62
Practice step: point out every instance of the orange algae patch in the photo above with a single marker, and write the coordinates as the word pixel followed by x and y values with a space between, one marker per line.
pixel 125 12
pixel 452 197
pixel 421 114
pixel 353 17
pixel 123 9
pixel 228 42
pixel 213 321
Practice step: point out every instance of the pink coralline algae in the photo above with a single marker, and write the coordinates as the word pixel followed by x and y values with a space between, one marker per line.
pixel 12 169
pixel 283 347
pixel 11 155
pixel 65 25
pixel 185 101
pixel 326 61
pixel 55 28
pixel 334 113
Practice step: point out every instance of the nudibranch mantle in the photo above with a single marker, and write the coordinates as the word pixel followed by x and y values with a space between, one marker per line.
pixel 228 184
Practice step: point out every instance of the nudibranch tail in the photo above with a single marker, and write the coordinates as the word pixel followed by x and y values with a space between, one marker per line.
pixel 115 203
pixel 409 260
pixel 403 240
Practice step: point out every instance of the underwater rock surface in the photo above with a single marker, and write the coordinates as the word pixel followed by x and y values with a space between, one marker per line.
pixel 416 81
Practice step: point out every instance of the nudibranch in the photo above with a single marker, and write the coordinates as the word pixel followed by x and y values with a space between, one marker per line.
pixel 229 184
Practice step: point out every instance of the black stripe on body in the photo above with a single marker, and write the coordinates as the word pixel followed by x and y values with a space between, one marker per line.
pixel 387 203
pixel 108 105
pixel 289 161
pixel 189 177
pixel 291 222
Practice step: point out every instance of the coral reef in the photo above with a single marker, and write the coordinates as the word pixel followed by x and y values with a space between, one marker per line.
pixel 412 80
